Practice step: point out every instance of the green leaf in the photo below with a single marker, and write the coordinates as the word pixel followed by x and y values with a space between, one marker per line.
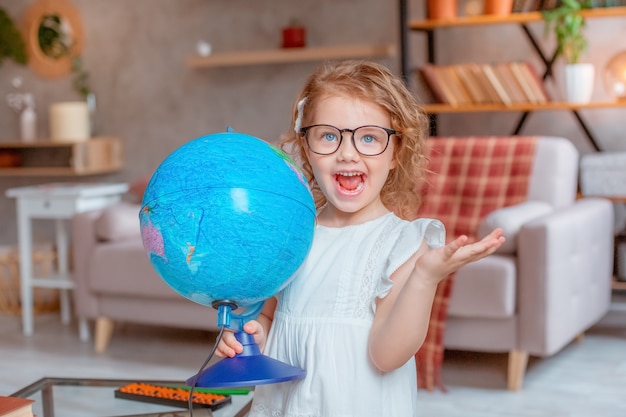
pixel 11 42
pixel 567 25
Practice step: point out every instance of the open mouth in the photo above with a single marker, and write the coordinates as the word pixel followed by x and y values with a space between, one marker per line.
pixel 350 181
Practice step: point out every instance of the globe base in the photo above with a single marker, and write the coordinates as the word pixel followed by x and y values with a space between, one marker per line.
pixel 249 368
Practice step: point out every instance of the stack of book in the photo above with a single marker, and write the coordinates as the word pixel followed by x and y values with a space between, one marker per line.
pixel 525 6
pixel 16 407
pixel 506 83
pixel 522 6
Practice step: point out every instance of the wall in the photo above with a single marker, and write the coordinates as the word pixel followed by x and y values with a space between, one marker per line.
pixel 135 52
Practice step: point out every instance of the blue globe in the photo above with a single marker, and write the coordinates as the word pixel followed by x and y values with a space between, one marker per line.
pixel 229 217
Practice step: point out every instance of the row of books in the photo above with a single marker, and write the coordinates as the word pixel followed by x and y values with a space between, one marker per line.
pixel 522 6
pixel 506 83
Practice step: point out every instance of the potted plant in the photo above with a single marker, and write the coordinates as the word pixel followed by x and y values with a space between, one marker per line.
pixel 441 9
pixel 498 7
pixel 567 24
pixel 11 42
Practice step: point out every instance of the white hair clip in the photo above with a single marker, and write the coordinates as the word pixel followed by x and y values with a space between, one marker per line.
pixel 298 124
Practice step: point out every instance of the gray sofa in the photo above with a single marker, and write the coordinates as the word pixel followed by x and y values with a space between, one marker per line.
pixel 546 287
pixel 115 281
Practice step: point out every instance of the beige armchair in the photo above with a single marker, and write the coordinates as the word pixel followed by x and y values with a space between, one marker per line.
pixel 550 282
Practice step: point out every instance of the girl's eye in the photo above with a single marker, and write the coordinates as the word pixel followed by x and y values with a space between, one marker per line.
pixel 329 137
pixel 368 139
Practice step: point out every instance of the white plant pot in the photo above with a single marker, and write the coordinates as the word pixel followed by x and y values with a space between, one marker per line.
pixel 579 81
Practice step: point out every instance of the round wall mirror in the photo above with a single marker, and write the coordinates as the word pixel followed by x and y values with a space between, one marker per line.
pixel 54 37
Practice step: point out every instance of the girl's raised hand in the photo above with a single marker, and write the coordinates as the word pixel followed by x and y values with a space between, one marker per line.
pixel 441 262
pixel 229 346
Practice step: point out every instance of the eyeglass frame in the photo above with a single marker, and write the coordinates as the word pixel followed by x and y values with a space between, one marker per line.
pixel 304 130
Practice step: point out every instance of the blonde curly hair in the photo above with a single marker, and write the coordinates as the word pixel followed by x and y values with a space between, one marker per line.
pixel 375 83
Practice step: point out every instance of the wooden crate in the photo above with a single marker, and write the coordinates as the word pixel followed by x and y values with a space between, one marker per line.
pixel 97 155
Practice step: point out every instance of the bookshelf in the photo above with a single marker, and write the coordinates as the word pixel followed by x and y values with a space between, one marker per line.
pixel 430 28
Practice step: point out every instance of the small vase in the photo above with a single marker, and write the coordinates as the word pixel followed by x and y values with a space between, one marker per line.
pixel 28 125
pixel 498 7
pixel 92 107
pixel 28 120
pixel 441 9
pixel 579 81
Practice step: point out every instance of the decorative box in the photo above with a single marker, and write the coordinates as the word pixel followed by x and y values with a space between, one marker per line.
pixel 603 174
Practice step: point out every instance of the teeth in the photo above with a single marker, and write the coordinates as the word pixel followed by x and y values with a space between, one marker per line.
pixel 349 174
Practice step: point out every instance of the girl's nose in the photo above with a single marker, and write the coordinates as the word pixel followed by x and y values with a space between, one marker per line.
pixel 347 151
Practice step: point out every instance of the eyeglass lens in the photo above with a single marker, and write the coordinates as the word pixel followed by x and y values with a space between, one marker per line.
pixel 368 140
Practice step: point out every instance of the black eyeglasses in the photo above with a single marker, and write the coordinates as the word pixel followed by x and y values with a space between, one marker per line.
pixel 367 140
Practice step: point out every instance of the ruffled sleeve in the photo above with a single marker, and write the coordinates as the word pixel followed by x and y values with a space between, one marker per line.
pixel 409 239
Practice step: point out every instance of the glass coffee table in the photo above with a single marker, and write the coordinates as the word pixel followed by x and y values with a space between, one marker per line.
pixel 84 397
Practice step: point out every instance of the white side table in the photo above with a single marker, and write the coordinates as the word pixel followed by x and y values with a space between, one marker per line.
pixel 58 201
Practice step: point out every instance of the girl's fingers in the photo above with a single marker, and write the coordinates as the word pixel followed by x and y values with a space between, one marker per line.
pixel 250 327
pixel 455 245
pixel 477 250
pixel 229 346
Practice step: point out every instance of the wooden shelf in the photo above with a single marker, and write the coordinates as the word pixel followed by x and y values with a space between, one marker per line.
pixel 619 285
pixel 100 155
pixel 512 18
pixel 277 56
pixel 552 105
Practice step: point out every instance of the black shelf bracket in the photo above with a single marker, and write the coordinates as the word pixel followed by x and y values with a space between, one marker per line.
pixel 549 73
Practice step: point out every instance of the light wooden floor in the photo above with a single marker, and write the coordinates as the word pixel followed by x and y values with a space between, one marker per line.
pixel 584 380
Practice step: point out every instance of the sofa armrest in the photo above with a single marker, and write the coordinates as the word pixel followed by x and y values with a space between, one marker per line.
pixel 565 262
pixel 84 240
pixel 511 219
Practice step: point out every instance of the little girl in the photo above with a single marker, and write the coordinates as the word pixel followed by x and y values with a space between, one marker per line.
pixel 358 309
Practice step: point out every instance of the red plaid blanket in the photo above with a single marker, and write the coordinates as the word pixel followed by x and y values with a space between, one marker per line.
pixel 468 178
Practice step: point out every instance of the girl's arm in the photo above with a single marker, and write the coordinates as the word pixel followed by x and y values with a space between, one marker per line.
pixel 402 317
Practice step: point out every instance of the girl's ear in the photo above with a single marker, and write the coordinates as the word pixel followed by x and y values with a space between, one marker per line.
pixel 394 162
pixel 394 158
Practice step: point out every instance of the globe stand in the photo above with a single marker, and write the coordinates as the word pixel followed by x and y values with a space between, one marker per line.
pixel 248 368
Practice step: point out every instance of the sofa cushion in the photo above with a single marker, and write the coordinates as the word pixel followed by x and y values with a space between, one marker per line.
pixel 511 219
pixel 118 222
pixel 484 289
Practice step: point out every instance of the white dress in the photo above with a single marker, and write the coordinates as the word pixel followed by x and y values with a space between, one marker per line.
pixel 323 318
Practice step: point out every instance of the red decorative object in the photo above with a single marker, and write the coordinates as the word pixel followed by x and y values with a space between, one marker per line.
pixel 10 159
pixel 294 37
